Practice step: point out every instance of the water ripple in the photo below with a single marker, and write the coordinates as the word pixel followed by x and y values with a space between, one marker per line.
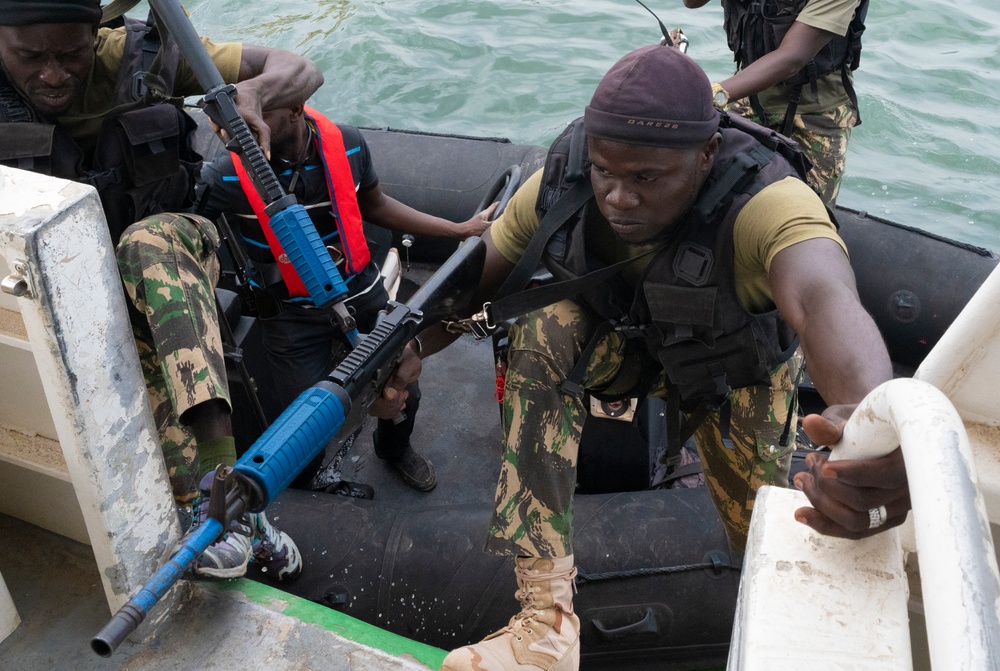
pixel 925 155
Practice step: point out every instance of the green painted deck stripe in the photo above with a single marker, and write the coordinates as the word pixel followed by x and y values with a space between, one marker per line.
pixel 339 623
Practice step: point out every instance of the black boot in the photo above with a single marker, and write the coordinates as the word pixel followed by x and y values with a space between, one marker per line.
pixel 416 470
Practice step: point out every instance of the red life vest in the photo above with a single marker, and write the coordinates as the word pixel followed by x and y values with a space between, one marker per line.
pixel 340 184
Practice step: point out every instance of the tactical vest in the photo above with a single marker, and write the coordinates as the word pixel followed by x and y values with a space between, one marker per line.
pixel 143 162
pixel 757 27
pixel 685 308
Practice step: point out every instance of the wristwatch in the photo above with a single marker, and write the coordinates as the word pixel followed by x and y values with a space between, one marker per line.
pixel 720 97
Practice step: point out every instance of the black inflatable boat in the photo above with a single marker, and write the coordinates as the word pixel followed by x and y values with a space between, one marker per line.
pixel 657 584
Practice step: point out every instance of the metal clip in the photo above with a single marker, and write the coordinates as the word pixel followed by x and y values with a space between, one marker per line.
pixel 478 325
pixel 343 317
pixel 16 284
pixel 457 326
pixel 682 42
pixel 335 254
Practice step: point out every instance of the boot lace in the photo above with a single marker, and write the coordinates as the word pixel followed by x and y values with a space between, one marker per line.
pixel 521 623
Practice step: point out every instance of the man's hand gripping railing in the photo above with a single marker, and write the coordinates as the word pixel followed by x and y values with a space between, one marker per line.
pixel 307 425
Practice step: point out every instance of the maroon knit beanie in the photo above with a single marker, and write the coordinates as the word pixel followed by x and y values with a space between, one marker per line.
pixel 29 12
pixel 655 96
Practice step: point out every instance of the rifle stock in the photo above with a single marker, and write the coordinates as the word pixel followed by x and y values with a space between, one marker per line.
pixel 303 430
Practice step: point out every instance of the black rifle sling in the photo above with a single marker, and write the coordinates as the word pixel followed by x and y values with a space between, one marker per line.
pixel 510 302
pixel 564 208
pixel 524 302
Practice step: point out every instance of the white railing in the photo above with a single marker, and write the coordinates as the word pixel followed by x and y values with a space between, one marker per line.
pixel 811 601
pixel 958 568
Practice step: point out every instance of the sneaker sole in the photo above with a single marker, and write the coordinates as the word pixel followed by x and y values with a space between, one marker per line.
pixel 221 573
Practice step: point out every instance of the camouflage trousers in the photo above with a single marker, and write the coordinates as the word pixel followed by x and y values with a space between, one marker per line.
pixel 169 268
pixel 823 138
pixel 542 428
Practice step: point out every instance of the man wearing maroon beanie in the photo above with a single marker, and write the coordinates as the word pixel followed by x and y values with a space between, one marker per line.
pixel 702 254
pixel 70 108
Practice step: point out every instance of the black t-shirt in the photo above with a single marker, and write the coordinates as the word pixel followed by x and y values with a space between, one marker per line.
pixel 225 195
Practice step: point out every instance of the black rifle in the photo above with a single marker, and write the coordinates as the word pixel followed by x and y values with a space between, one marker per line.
pixel 245 272
pixel 303 430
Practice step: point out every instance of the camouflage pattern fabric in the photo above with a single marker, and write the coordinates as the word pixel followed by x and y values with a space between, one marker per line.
pixel 169 268
pixel 757 421
pixel 823 139
pixel 542 428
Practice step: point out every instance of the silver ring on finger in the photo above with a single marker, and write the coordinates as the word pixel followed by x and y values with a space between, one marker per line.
pixel 877 517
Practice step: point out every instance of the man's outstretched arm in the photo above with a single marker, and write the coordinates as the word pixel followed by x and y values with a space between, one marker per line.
pixel 814 288
pixel 385 211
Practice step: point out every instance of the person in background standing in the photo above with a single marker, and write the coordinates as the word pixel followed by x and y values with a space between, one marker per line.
pixel 794 65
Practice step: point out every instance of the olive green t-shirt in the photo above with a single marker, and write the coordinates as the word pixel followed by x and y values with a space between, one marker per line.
pixel 779 216
pixel 833 16
pixel 83 121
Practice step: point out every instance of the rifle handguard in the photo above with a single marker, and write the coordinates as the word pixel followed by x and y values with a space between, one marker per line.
pixel 308 255
pixel 294 439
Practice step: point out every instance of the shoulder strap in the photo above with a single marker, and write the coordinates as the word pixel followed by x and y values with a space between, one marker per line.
pixel 340 184
pixel 733 180
pixel 13 107
pixel 521 303
pixel 569 204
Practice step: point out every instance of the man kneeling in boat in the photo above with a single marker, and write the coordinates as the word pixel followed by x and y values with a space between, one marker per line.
pixel 329 169
pixel 71 106
pixel 709 258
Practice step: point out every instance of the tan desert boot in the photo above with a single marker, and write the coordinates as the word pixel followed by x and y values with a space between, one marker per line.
pixel 544 636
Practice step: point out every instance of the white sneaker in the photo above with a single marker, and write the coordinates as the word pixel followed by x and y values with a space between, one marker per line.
pixel 274 550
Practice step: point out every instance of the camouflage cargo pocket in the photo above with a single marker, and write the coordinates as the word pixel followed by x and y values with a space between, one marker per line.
pixel 769 446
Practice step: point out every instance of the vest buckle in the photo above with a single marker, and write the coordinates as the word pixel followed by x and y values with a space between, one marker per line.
pixel 138 86
pixel 632 330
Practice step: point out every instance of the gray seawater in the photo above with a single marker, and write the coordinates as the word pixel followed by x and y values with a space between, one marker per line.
pixel 926 155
